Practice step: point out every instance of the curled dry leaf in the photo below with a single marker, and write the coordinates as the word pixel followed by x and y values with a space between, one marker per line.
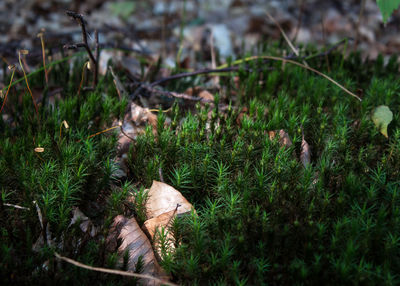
pixel 157 225
pixel 284 139
pixel 139 247
pixel 242 113
pixel 142 115
pixel 206 95
pixel 305 154
pixel 85 223
pixel 127 133
pixel 163 205
pixel 164 198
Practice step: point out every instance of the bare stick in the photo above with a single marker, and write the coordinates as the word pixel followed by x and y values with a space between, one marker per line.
pixel 26 80
pixel 123 132
pixel 112 271
pixel 9 86
pixel 295 51
pixel 16 206
pixel 198 72
pixel 97 53
pixel 81 21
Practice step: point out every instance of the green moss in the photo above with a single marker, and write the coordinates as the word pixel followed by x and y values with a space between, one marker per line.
pixel 261 217
pixel 73 170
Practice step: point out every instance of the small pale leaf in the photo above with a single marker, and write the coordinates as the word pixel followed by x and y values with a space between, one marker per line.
pixel 387 7
pixel 305 155
pixel 382 116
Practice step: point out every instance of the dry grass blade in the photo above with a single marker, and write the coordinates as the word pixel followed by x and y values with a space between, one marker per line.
pixel 284 139
pixel 112 271
pixel 9 86
pixel 24 52
pixel 16 206
pixel 295 51
pixel 41 36
pixel 294 63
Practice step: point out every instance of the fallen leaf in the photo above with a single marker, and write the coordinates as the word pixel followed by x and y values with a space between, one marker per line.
pixel 305 152
pixel 139 247
pixel 164 198
pixel 382 117
pixel 150 226
pixel 242 113
pixel 163 205
pixel 157 224
pixel 206 95
pixel 85 223
pixel 140 115
pixel 284 139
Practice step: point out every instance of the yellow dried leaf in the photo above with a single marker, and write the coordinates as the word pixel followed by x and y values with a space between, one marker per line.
pixel 284 139
pixel 164 198
pixel 305 155
pixel 139 247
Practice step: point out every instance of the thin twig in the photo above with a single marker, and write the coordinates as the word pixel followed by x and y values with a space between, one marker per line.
pixel 161 175
pixel 174 94
pixel 81 21
pixel 9 86
pixel 27 83
pixel 295 51
pixel 16 206
pixel 330 50
pixel 123 132
pixel 112 271
pixel 198 72
pixel 97 54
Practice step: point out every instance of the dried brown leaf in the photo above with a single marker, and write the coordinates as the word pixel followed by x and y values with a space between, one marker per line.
pixel 163 205
pixel 305 155
pixel 156 224
pixel 284 139
pixel 206 95
pixel 139 247
pixel 242 113
pixel 86 224
pixel 164 198
pixel 140 115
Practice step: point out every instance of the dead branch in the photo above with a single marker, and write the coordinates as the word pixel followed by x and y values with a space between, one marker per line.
pixel 112 271
pixel 94 60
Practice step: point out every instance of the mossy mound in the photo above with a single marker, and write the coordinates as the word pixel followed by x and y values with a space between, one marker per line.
pixel 262 217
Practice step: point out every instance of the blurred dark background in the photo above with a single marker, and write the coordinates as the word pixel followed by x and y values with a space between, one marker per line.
pixel 161 27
